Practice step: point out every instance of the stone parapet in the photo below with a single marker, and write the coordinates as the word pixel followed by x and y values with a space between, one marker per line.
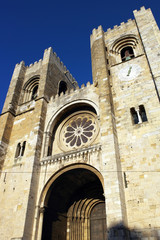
pixel 72 155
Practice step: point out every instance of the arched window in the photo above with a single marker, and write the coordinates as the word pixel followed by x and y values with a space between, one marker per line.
pixel 31 89
pixel 34 92
pixel 127 53
pixel 134 115
pixel 125 48
pixel 23 148
pixel 62 87
pixel 139 115
pixel 18 150
pixel 142 113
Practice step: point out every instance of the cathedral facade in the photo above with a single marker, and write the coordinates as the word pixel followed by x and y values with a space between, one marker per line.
pixel 84 163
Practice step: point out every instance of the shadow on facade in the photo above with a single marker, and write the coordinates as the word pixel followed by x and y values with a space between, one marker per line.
pixel 120 232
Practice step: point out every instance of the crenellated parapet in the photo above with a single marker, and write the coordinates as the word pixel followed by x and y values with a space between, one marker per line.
pixel 96 34
pixel 119 27
pixel 47 74
pixel 129 21
pixel 53 58
pixel 35 63
pixel 142 9
pixel 84 88
pixel 48 57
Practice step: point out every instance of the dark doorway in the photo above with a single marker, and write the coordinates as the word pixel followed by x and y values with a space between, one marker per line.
pixel 70 200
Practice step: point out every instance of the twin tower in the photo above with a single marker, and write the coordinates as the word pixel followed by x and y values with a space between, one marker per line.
pixel 84 163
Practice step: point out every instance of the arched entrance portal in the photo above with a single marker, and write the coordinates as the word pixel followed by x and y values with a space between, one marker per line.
pixel 75 208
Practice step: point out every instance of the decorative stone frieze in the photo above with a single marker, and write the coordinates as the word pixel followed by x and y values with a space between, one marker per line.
pixel 71 155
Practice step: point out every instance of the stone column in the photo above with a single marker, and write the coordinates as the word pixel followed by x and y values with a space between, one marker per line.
pixel 40 225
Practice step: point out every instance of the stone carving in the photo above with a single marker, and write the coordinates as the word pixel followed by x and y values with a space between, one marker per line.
pixel 78 131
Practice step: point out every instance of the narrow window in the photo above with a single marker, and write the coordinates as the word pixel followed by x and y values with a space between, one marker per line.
pixel 34 92
pixel 125 180
pixel 62 87
pixel 18 150
pixel 49 151
pixel 127 53
pixel 23 148
pixel 142 113
pixel 31 89
pixel 134 116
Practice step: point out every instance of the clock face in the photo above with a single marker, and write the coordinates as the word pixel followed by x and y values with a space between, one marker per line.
pixel 129 72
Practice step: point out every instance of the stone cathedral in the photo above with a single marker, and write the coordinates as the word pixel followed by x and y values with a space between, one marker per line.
pixel 84 163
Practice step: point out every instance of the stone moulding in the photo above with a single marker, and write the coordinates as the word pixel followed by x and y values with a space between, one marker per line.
pixel 70 155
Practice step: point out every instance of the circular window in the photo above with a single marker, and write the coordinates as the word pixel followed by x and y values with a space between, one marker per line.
pixel 78 130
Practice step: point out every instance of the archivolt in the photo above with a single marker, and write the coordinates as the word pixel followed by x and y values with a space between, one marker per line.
pixel 79 218
pixel 29 87
pixel 61 114
pixel 45 192
pixel 82 208
pixel 65 108
pixel 129 40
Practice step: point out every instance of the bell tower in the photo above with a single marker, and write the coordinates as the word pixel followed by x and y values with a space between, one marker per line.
pixel 22 126
pixel 125 67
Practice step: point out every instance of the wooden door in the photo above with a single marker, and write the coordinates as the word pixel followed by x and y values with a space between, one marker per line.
pixel 98 222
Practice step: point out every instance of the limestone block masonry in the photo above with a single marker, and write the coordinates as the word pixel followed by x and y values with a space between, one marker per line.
pixel 84 163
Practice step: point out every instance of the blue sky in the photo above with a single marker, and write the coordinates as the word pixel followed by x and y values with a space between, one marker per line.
pixel 29 27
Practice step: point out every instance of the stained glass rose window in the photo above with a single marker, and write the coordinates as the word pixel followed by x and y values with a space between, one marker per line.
pixel 79 130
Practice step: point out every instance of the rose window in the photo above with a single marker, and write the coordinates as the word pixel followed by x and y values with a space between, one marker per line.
pixel 79 130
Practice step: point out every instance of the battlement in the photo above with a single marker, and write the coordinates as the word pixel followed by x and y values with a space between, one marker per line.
pixel 97 31
pixel 63 68
pixel 122 25
pixel 35 64
pixel 19 64
pixel 48 53
pixel 142 9
pixel 76 90
pixel 49 56
pixel 96 34
pixel 129 21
